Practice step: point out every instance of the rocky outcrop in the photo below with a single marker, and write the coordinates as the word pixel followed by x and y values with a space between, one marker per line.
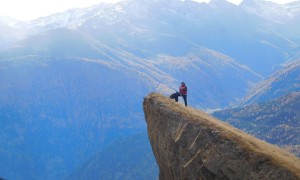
pixel 190 144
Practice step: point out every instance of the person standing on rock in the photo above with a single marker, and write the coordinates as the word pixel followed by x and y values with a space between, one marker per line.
pixel 182 92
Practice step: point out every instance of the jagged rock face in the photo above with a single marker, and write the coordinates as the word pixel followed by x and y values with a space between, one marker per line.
pixel 190 144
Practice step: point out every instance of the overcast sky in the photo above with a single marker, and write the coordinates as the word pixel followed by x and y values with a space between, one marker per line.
pixel 31 9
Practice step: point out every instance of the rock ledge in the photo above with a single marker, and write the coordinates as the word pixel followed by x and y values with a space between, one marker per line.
pixel 190 144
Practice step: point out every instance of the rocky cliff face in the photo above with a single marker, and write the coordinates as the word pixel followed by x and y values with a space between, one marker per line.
pixel 190 144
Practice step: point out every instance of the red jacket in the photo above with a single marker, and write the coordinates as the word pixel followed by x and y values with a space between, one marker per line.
pixel 183 90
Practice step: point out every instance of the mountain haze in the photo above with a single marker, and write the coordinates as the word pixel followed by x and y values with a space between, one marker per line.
pixel 73 82
pixel 284 81
pixel 276 121
pixel 251 33
pixel 116 161
pixel 271 109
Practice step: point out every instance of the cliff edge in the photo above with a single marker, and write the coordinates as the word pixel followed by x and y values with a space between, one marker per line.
pixel 190 144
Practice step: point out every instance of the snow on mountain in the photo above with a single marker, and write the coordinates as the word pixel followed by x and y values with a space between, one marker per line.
pixel 96 64
pixel 71 18
pixel 11 22
pixel 221 5
pixel 279 13
pixel 156 24
pixel 11 31
pixel 112 13
pixel 293 8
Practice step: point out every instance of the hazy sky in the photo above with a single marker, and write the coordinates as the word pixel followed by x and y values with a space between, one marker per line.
pixel 31 9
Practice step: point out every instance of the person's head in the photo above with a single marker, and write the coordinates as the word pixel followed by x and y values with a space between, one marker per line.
pixel 182 83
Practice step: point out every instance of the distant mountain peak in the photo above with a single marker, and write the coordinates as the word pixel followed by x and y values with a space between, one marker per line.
pixel 11 22
pixel 255 2
pixel 220 3
pixel 294 3
pixel 270 11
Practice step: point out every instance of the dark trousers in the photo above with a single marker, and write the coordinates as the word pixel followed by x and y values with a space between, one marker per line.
pixel 185 99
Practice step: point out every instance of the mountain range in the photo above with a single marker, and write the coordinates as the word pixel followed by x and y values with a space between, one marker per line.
pixel 276 121
pixel 125 158
pixel 250 32
pixel 282 82
pixel 271 109
pixel 73 82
